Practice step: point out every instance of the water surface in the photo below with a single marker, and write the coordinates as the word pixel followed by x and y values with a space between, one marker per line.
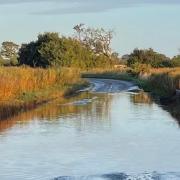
pixel 91 135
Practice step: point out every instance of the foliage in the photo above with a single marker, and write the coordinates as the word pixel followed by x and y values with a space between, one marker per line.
pixel 148 56
pixel 1 61
pixel 176 61
pixel 140 68
pixel 9 54
pixel 51 50
pixel 9 49
pixel 14 61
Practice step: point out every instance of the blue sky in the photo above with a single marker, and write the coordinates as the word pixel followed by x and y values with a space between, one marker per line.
pixel 137 23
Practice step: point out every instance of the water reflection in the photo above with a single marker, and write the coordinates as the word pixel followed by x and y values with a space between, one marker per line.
pixel 142 98
pixel 92 113
pixel 92 134
pixel 174 109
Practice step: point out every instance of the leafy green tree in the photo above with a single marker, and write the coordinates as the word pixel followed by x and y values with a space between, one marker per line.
pixel 46 51
pixel 148 56
pixel 51 50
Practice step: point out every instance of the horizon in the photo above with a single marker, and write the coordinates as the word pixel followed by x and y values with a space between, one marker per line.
pixel 139 24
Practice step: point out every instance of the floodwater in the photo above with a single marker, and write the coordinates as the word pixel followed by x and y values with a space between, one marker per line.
pixel 95 135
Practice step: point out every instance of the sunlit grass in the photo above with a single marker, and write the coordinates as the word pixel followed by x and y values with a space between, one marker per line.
pixel 24 88
pixel 16 81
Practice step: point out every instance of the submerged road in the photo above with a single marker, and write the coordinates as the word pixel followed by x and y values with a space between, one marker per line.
pixel 111 86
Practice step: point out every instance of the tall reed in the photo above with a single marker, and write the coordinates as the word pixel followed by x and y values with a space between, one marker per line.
pixel 15 81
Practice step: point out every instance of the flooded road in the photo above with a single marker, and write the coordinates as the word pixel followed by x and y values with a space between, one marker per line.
pixel 107 133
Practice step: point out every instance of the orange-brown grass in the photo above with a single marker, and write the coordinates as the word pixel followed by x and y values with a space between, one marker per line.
pixel 17 80
pixel 23 88
pixel 170 71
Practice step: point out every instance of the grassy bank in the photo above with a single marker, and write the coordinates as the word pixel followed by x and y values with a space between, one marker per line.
pixel 24 88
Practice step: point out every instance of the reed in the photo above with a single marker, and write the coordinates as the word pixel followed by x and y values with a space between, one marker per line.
pixel 15 81
pixel 162 84
pixel 23 88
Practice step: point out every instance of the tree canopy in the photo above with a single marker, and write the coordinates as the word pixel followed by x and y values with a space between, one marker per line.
pixel 148 56
pixel 52 50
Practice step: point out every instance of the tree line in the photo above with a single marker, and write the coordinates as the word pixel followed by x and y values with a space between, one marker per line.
pixel 88 48
pixel 151 58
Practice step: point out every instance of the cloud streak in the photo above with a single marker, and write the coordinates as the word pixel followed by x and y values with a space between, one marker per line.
pixel 83 6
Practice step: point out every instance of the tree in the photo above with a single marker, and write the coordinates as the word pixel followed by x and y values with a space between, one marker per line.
pixel 9 53
pixel 9 50
pixel 148 56
pixel 51 50
pixel 46 51
pixel 98 40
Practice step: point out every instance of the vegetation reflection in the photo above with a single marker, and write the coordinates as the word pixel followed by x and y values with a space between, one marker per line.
pixel 90 110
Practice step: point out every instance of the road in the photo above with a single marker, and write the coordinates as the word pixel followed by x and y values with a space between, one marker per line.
pixel 111 86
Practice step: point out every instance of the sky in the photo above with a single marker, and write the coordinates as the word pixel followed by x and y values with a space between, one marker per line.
pixel 136 23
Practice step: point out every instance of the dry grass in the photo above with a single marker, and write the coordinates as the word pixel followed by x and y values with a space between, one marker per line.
pixel 162 84
pixel 15 81
pixel 172 72
pixel 23 88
